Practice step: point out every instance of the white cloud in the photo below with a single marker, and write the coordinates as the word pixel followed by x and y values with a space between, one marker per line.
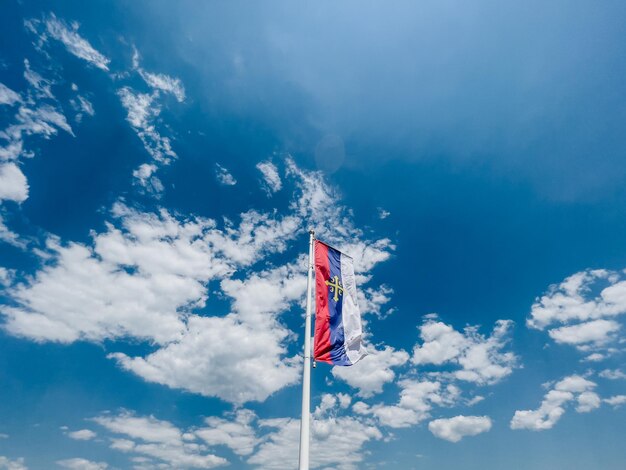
pixel 74 43
pixel 582 311
pixel 32 117
pixel 220 357
pixel 595 357
pixel 223 176
pixel 8 96
pixel 13 184
pixel 238 434
pixel 270 176
pixel 40 86
pixel 588 401
pixel 82 434
pixel 616 400
pixel 43 120
pixel 8 464
pixel 157 439
pixel 481 359
pixel 372 372
pixel 552 407
pixel 612 374
pixel 86 106
pixel 82 106
pixel 382 213
pixel 417 399
pixel 140 278
pixel 165 83
pixel 9 237
pixel 145 176
pixel 143 110
pixel 82 464
pixel 318 205
pixel 598 332
pixel 372 299
pixel 159 81
pixel 475 400
pixel 137 280
pixel 329 449
pixel 455 429
pixel 204 360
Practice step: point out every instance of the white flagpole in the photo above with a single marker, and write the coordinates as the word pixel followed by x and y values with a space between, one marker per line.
pixel 306 375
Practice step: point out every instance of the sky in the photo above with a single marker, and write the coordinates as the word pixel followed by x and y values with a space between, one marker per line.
pixel 161 164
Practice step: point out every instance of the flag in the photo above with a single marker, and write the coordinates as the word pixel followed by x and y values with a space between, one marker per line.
pixel 338 333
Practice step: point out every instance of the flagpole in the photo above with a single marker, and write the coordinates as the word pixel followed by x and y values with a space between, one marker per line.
pixel 306 375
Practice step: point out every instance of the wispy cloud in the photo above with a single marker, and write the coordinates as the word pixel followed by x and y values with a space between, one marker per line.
pixel 224 176
pixel 142 111
pixel 74 42
pixel 37 114
pixel 271 177
pixel 8 96
pixel 160 81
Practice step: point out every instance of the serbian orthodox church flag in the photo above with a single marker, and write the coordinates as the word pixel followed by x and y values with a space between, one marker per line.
pixel 338 332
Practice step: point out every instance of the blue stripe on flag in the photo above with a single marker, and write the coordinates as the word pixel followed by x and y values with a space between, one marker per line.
pixel 338 353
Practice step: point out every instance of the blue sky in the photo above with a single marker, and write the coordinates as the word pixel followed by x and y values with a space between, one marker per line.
pixel 161 163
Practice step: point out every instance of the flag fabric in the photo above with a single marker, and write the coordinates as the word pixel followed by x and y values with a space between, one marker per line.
pixel 338 332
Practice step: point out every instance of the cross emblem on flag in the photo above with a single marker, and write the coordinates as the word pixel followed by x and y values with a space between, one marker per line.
pixel 335 287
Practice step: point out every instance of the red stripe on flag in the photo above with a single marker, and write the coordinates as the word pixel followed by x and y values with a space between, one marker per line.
pixel 321 345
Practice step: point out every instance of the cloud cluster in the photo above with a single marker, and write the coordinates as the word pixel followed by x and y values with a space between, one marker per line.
pixel 583 311
pixel 220 357
pixel 133 282
pixel 264 443
pixel 152 442
pixel 36 114
pixel 145 277
pixel 237 433
pixel 143 109
pixel 417 399
pixel 369 376
pixel 329 449
pixel 480 359
pixel 573 388
pixel 8 464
